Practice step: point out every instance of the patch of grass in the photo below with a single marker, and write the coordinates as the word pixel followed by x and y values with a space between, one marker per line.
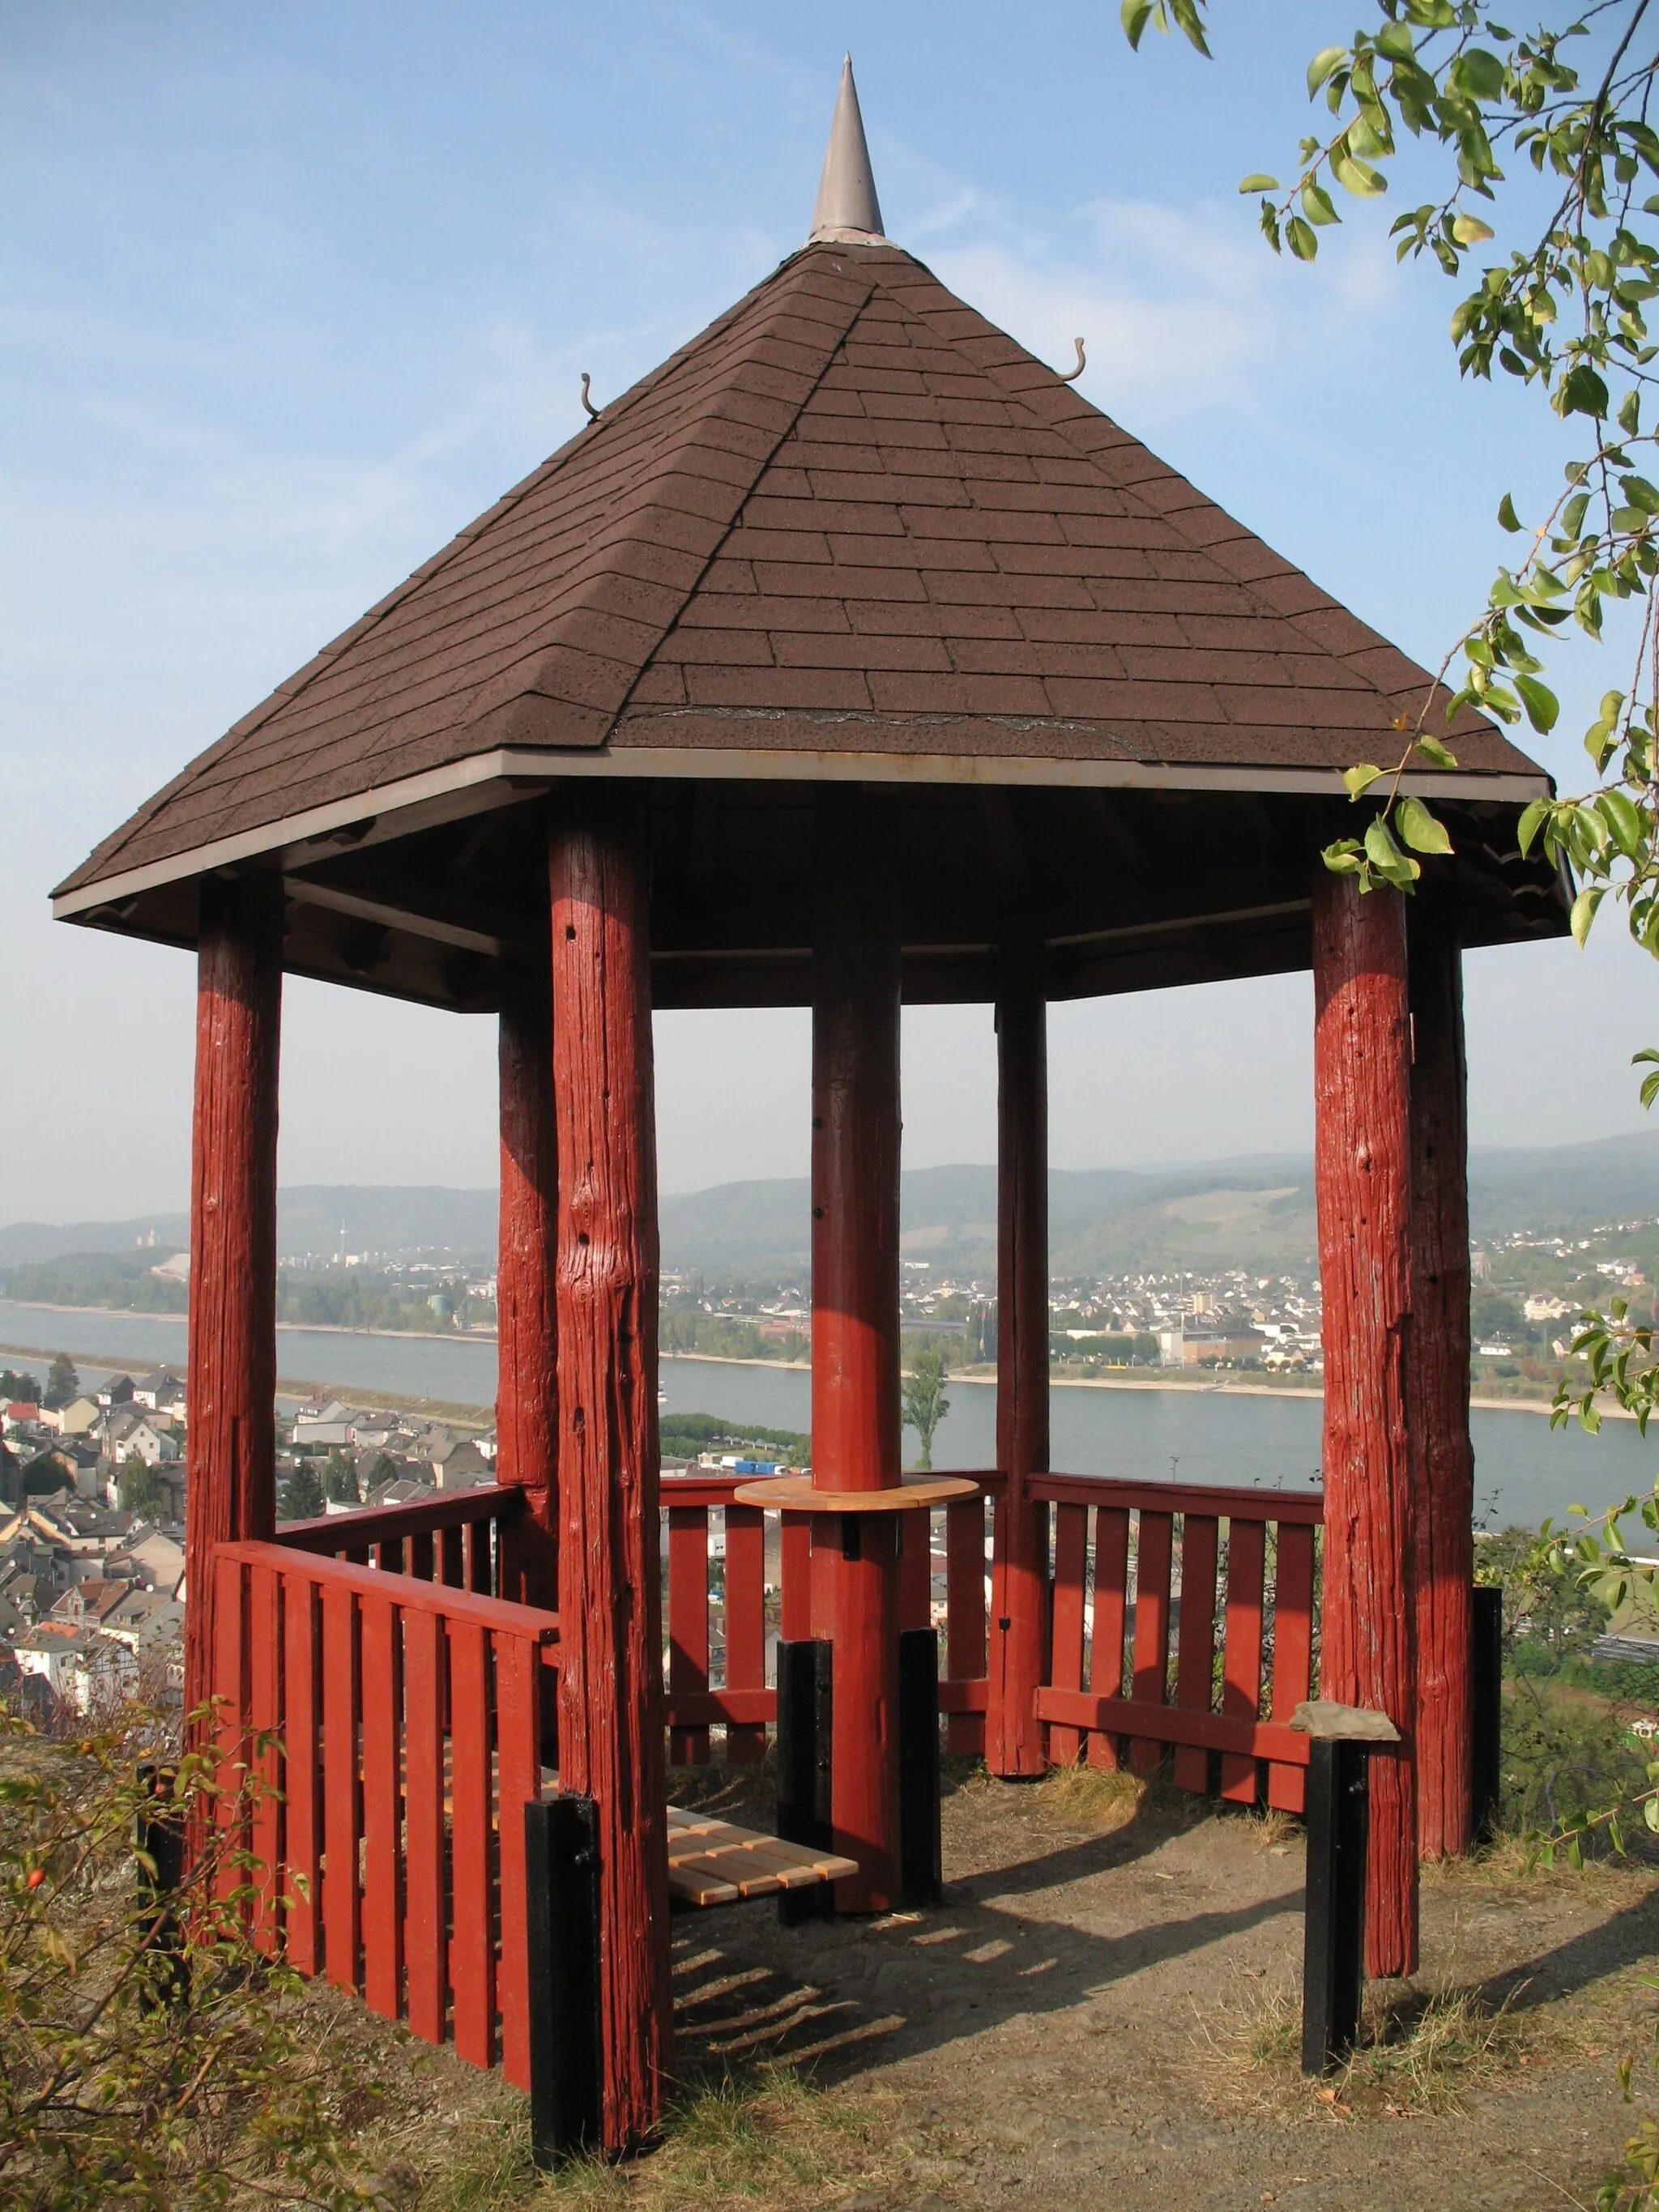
pixel 756 2141
pixel 1085 1797
pixel 1269 1828
pixel 1418 2051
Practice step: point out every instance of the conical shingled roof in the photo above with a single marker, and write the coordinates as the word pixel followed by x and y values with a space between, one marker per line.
pixel 852 527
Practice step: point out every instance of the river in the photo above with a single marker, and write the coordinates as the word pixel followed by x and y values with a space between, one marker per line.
pixel 1523 1468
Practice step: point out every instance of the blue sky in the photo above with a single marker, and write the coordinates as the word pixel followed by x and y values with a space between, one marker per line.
pixel 288 293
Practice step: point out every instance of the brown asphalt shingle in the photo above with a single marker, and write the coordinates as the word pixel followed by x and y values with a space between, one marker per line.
pixel 852 515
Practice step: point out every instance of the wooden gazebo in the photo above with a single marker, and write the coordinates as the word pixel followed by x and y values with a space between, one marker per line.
pixel 851 657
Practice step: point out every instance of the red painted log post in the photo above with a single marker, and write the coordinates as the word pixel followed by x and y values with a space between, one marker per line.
pixel 230 1491
pixel 610 1697
pixel 526 1381
pixel 1437 1384
pixel 1019 1568
pixel 856 1433
pixel 1362 1172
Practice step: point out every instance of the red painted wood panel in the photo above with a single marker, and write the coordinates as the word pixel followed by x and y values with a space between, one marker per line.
pixel 1195 1641
pixel 964 1635
pixel 519 1782
pixel 796 1567
pixel 473 1950
pixel 302 1775
pixel 687 1623
pixel 746 1623
pixel 264 1765
pixel 1293 1615
pixel 915 1570
pixel 425 1937
pixel 342 1829
pixel 1019 1571
pixel 611 1686
pixel 1066 1666
pixel 1241 1662
pixel 1362 1178
pixel 382 1708
pixel 1153 1560
pixel 229 1691
pixel 1111 1615
pixel 1215 1731
pixel 232 1493
pixel 1438 1384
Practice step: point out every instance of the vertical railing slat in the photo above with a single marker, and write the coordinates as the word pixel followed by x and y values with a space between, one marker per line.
pixel 1065 1660
pixel 1196 1640
pixel 1293 1596
pixel 965 1653
pixel 688 1624
pixel 342 1819
pixel 745 1624
pixel 519 1782
pixel 915 1570
pixel 426 1949
pixel 382 1909
pixel 1111 1615
pixel 301 1773
pixel 1154 1556
pixel 1241 1661
pixel 230 1703
pixel 264 1773
pixel 471 1973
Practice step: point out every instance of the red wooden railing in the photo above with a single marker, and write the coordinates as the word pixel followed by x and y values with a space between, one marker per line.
pixel 467 1540
pixel 1227 1574
pixel 395 1721
pixel 1165 1563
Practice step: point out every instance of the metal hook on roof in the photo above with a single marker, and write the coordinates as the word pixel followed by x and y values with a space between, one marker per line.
pixel 1071 375
pixel 593 412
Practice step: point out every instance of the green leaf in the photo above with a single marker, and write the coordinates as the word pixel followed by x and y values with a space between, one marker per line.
pixel 1317 205
pixel 1299 237
pixel 1630 413
pixel 1623 816
pixel 1469 230
pixel 1134 15
pixel 1481 73
pixel 1329 58
pixel 1583 911
pixel 1432 750
pixel 1360 779
pixel 1258 183
pixel 1531 822
pixel 1419 827
pixel 1540 703
pixel 1343 859
pixel 1386 858
pixel 1507 517
pixel 1357 177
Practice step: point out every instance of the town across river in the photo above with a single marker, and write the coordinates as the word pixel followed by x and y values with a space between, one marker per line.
pixel 1523 1468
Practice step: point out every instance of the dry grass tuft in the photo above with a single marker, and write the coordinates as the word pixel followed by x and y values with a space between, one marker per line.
pixel 1085 1797
pixel 1419 2052
pixel 771 2140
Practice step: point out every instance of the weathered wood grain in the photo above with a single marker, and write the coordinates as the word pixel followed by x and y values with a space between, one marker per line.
pixel 1362 1170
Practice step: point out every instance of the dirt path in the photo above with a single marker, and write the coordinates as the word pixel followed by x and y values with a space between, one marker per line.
pixel 1074 2025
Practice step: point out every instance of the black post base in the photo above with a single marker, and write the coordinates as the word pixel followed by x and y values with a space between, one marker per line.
pixel 562 1853
pixel 1333 1955
pixel 922 1867
pixel 805 1703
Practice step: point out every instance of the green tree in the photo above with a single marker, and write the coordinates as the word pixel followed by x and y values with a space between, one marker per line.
pixel 340 1480
pixel 303 1495
pixel 141 1489
pixel 923 1398
pixel 63 1383
pixel 17 1388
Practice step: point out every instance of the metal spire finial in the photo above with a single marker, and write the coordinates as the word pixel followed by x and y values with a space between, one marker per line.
pixel 847 212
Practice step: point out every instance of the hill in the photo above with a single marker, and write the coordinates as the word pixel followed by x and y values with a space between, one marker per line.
pixel 1252 1211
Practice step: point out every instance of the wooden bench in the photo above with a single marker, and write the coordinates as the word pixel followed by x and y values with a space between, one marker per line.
pixel 714 1862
